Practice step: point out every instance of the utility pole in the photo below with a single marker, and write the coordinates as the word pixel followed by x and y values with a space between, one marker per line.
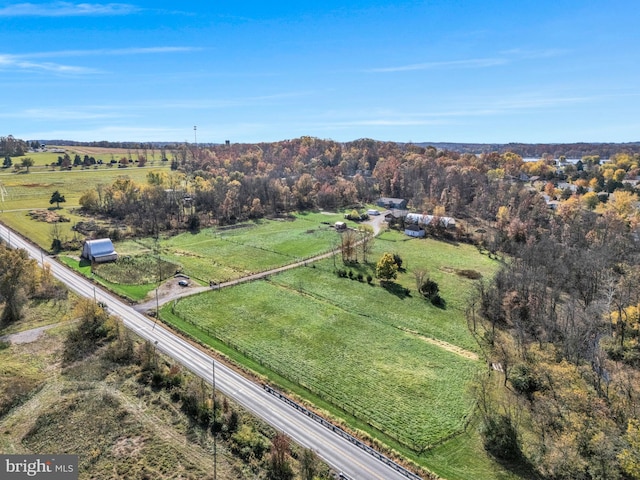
pixel 195 138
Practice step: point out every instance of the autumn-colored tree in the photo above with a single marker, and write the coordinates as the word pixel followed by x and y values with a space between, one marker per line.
pixel 622 203
pixel 17 271
pixel 387 268
pixel 590 200
pixel 279 465
pixel 630 456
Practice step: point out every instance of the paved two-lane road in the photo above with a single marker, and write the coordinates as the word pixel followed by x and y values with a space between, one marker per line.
pixel 335 450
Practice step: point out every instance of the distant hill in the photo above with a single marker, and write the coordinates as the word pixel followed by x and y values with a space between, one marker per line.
pixel 537 150
pixel 526 150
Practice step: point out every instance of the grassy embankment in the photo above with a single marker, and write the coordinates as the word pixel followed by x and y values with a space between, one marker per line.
pixel 119 425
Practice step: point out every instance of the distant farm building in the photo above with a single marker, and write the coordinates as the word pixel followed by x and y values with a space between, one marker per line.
pixel 341 226
pixel 386 202
pixel 425 220
pixel 99 251
pixel 414 230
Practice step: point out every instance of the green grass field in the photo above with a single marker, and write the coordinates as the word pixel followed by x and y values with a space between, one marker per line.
pixel 22 192
pixel 410 389
pixel 346 341
pixel 226 254
pixel 34 189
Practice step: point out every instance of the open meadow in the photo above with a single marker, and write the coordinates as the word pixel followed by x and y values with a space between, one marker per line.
pixel 386 357
pixel 228 253
pixel 23 192
pixel 394 361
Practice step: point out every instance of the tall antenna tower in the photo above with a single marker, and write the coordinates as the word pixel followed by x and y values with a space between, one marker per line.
pixel 195 137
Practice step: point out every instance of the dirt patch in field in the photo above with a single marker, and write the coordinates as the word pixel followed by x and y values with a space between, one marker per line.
pixel 48 216
pixel 128 446
pixel 470 274
pixel 444 345
pixel 103 151
pixel 34 185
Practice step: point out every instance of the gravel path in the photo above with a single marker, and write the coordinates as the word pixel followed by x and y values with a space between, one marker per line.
pixel 170 290
pixel 27 336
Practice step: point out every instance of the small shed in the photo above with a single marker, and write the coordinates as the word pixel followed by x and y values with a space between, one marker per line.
pixel 414 231
pixel 341 226
pixel 99 250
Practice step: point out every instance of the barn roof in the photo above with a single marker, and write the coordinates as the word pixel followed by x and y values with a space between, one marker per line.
pixel 101 247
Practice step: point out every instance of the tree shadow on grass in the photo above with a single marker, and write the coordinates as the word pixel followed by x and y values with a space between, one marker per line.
pixel 396 289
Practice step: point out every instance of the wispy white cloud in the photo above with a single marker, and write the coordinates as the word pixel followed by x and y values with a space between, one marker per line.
pixel 25 61
pixel 121 132
pixel 67 9
pixel 504 58
pixel 520 53
pixel 61 114
pixel 109 51
pixel 472 63
pixel 14 62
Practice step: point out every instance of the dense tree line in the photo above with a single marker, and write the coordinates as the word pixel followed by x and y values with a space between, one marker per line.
pixel 560 328
pixel 12 147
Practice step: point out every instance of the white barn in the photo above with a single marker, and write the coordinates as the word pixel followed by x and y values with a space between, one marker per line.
pixel 416 218
pixel 100 250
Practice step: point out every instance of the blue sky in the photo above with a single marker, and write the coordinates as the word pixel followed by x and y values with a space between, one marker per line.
pixel 441 71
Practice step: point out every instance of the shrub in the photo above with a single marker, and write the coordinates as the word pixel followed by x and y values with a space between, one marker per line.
pixel 430 289
pixel 523 379
pixel 248 444
pixel 89 334
pixel 193 223
pixel 438 301
pixel 398 260
pixel 369 279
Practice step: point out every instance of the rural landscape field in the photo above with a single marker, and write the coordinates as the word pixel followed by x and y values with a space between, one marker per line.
pixel 402 340
pixel 398 369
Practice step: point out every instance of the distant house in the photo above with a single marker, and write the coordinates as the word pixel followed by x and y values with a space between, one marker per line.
pixel 414 230
pixel 386 202
pixel 100 250
pixel 340 226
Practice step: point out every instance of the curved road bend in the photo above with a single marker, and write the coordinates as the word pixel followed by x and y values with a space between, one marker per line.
pixel 335 450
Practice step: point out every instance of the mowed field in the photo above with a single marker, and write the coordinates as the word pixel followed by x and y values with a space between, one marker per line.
pixel 224 254
pixel 22 192
pixel 362 347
